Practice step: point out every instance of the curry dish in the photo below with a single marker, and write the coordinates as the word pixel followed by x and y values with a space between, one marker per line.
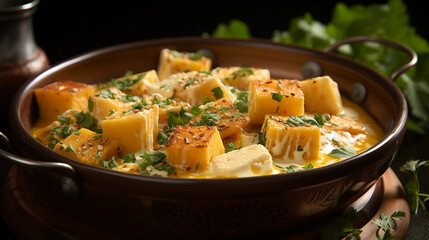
pixel 186 119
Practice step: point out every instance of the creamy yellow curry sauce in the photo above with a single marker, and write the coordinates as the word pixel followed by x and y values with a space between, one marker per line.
pixel 186 119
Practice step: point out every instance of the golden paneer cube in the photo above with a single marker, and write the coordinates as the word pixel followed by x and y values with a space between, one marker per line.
pixel 135 84
pixel 199 87
pixel 275 96
pixel 166 105
pixel 321 95
pixel 291 143
pixel 88 147
pixel 55 98
pixel 240 77
pixel 172 61
pixel 222 114
pixel 134 129
pixel 191 148
pixel 108 101
pixel 165 88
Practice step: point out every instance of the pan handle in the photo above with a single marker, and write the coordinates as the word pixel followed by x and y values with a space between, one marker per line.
pixel 68 183
pixel 390 43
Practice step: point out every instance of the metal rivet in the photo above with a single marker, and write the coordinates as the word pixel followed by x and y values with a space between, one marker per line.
pixel 358 92
pixel 389 124
pixel 69 188
pixel 311 69
pixel 207 53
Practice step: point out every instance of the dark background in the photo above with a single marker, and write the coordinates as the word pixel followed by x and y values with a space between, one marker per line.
pixel 67 28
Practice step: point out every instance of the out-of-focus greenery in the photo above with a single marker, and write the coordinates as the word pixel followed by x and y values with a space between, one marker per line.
pixel 389 21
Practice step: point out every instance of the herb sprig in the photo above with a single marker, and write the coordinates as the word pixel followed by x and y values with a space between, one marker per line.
pixel 415 198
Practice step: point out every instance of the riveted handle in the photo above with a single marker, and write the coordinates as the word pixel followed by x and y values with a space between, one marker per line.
pixel 68 182
pixel 397 73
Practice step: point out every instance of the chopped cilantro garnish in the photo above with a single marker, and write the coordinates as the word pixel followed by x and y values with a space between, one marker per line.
pixel 181 118
pixel 125 83
pixel 107 93
pixel 208 118
pixel 109 164
pixel 231 147
pixel 196 110
pixel 129 158
pixel 157 160
pixel 277 97
pixel 166 102
pixel 127 98
pixel 97 137
pixel 90 104
pixel 85 119
pixel 241 72
pixel 319 120
pixel 342 152
pixel 70 149
pixel 162 138
pixel 206 100
pixel 217 92
pixel 165 86
pixel 188 83
pixel 242 101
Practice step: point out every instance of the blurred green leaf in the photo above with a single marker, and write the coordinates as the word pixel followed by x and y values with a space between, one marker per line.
pixel 234 29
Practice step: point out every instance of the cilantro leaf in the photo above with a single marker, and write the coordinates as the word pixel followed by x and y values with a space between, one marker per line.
pixel 342 228
pixel 217 92
pixel 415 198
pixel 342 152
pixel 156 160
pixel 234 29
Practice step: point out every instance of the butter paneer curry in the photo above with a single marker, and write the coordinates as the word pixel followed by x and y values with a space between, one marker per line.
pixel 189 120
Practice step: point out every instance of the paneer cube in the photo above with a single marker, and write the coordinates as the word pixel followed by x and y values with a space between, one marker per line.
pixel 166 105
pixel 165 88
pixel 275 96
pixel 344 124
pixel 172 61
pixel 240 77
pixel 243 139
pixel 197 88
pixel 222 114
pixel 248 161
pixel 55 98
pixel 134 129
pixel 88 147
pixel 192 148
pixel 108 101
pixel 135 84
pixel 290 143
pixel 321 95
